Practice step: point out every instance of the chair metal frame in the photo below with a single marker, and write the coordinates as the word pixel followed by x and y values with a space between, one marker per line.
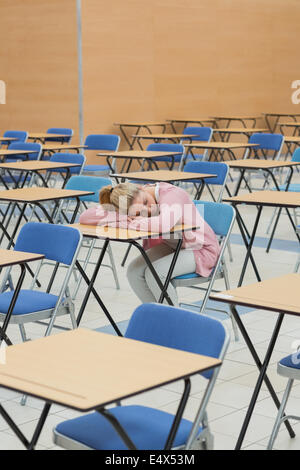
pixel 219 272
pixel 64 304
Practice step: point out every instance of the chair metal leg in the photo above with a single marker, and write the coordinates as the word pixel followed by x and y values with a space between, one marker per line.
pixel 280 414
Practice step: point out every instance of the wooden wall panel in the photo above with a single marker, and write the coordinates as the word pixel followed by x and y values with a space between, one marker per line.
pixel 146 60
pixel 38 57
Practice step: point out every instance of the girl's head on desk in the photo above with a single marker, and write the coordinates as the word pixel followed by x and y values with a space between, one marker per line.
pixel 131 199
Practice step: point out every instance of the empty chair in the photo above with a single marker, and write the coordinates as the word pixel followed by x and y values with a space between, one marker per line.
pixel 204 134
pixel 34 147
pixel 269 145
pixel 212 168
pixel 221 218
pixel 170 162
pixel 61 157
pixel 18 177
pixel 288 367
pixel 294 187
pixel 21 136
pixel 147 427
pixel 91 183
pixel 100 142
pixel 60 130
pixel 59 244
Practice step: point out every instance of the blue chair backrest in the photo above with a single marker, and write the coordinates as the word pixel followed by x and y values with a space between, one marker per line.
pixel 212 168
pixel 267 141
pixel 102 142
pixel 37 148
pixel 177 328
pixel 203 133
pixel 158 147
pixel 218 215
pixel 68 158
pixel 296 155
pixel 88 183
pixel 55 242
pixel 20 135
pixel 59 130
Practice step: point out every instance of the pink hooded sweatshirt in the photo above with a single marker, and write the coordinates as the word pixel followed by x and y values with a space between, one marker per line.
pixel 175 207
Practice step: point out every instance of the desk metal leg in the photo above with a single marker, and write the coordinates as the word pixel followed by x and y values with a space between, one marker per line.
pixel 12 306
pixel 262 376
pixel 118 428
pixel 179 414
pixel 248 245
pixel 30 445
pixel 163 287
pixel 90 283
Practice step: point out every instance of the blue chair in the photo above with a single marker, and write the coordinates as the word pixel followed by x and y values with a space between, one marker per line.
pixel 21 136
pixel 35 147
pixel 204 134
pixel 288 367
pixel 60 130
pixel 220 217
pixel 60 157
pixel 19 177
pixel 269 145
pixel 147 427
pixel 59 244
pixel 101 142
pixel 162 147
pixel 294 187
pixel 91 183
pixel 212 168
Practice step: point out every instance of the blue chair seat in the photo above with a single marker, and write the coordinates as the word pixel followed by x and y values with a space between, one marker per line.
pixel 187 276
pixel 292 187
pixel 28 301
pixel 95 168
pixel 95 431
pixel 289 361
pixel 197 157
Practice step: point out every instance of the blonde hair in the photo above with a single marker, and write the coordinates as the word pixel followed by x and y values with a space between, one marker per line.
pixel 120 196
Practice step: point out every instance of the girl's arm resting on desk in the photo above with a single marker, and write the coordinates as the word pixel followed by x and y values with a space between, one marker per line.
pixel 169 216
pixel 99 216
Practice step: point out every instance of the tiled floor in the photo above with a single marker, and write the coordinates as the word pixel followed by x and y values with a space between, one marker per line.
pixel 234 387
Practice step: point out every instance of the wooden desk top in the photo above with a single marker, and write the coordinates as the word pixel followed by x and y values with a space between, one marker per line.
pixel 139 124
pixel 122 234
pixel 220 145
pixel 84 379
pixel 290 124
pixel 62 147
pixel 36 194
pixel 280 295
pixel 267 198
pixel 45 135
pixel 11 257
pixel 162 175
pixel 7 139
pixel 292 139
pixel 256 163
pixel 138 154
pixel 164 136
pixel 6 152
pixel 37 165
pixel 281 114
pixel 240 130
pixel 205 119
pixel 234 117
